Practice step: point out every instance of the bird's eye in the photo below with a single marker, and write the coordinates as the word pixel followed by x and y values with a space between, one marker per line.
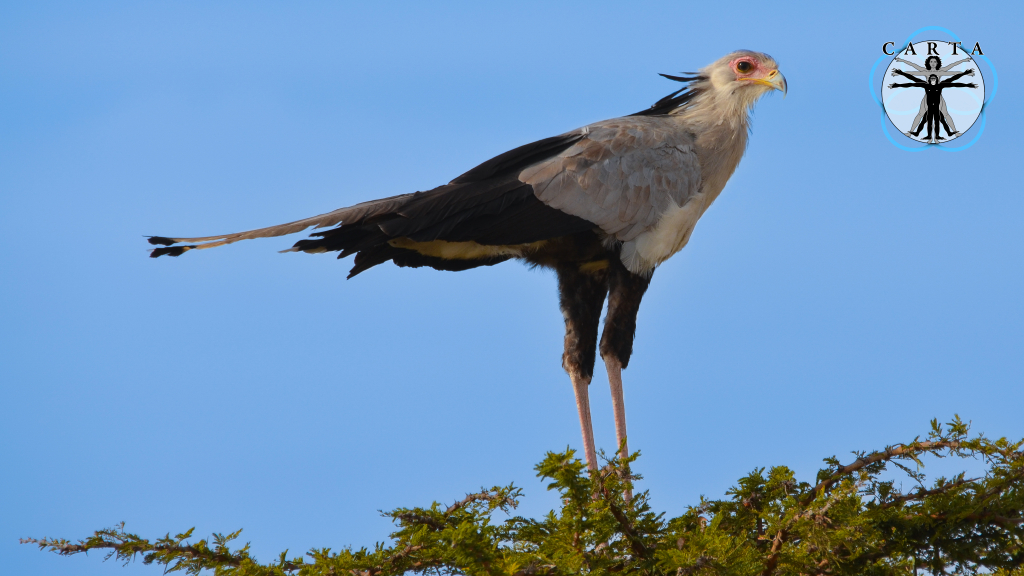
pixel 743 66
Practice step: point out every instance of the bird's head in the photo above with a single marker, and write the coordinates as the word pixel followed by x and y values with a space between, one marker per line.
pixel 745 76
pixel 724 90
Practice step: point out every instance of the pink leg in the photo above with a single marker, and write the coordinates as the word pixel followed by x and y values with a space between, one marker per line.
pixel 581 388
pixel 618 407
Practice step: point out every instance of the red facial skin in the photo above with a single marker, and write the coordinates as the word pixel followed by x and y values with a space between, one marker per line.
pixel 756 69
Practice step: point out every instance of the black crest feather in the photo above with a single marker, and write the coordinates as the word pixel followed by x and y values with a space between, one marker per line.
pixel 675 100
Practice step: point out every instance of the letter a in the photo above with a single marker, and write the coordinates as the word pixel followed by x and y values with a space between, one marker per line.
pixel 977 49
pixel 910 50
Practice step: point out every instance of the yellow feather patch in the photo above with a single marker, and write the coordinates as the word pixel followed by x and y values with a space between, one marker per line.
pixel 463 250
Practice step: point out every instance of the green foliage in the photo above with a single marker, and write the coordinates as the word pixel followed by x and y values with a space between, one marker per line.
pixel 855 519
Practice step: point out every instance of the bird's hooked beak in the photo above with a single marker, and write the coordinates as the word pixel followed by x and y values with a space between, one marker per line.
pixel 776 80
pixel 773 79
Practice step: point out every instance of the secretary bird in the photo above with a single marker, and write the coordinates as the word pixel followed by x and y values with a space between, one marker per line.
pixel 602 206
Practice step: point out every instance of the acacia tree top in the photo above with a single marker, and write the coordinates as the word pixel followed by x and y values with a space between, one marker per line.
pixel 849 521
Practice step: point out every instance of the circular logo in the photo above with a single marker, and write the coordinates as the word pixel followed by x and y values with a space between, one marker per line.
pixel 933 91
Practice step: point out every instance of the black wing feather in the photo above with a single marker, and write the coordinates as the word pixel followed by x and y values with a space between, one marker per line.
pixel 513 161
pixel 487 205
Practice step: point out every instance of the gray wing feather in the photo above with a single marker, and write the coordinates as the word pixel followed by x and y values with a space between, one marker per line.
pixel 622 177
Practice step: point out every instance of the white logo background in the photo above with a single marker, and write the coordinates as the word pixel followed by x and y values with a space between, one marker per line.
pixel 903 105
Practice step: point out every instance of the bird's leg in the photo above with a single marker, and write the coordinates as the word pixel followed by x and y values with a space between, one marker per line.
pixel 581 295
pixel 625 290
pixel 614 368
pixel 581 386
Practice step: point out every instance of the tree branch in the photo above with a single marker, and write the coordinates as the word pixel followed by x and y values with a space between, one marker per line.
pixel 1004 521
pixel 887 454
pixel 921 494
pixel 485 496
pixel 635 542
pixel 132 548
pixel 773 559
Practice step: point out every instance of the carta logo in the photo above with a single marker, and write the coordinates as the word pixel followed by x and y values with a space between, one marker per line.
pixel 932 92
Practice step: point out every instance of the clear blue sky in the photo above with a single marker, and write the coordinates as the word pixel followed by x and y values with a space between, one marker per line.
pixel 838 295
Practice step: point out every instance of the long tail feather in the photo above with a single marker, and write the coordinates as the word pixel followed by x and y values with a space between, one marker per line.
pixel 348 214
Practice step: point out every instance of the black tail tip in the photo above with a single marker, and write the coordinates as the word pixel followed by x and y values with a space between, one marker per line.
pixel 172 251
pixel 160 241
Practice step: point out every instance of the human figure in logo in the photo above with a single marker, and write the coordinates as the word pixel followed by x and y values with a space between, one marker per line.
pixel 933 65
pixel 932 94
